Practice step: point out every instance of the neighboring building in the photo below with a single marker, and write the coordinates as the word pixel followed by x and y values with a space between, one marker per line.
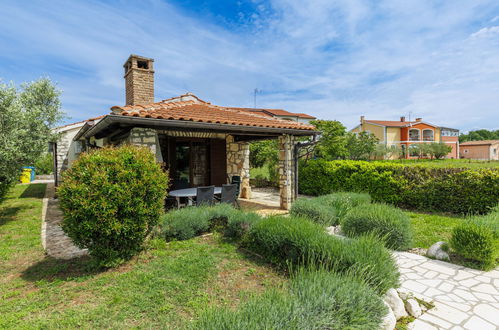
pixel 197 142
pixel 485 150
pixel 282 114
pixel 405 134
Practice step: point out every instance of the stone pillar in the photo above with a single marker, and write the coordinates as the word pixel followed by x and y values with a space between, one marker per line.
pixel 238 164
pixel 146 137
pixel 286 171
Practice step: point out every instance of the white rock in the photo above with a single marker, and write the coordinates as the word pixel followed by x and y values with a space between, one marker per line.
pixel 404 295
pixel 397 305
pixel 412 307
pixel 436 251
pixel 389 321
pixel 331 230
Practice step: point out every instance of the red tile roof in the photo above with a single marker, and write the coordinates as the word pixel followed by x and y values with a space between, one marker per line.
pixel 479 143
pixel 188 107
pixel 276 112
pixel 393 123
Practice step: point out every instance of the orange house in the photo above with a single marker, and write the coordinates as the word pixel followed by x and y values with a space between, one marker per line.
pixel 407 134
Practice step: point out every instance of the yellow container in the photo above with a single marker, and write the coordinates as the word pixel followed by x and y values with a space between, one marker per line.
pixel 26 175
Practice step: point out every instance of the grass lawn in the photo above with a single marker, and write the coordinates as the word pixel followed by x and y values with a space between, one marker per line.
pixel 431 228
pixel 164 287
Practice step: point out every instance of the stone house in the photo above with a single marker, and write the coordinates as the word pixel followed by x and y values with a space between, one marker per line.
pixel 199 143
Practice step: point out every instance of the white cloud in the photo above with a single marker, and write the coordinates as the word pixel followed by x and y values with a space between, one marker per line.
pixel 333 59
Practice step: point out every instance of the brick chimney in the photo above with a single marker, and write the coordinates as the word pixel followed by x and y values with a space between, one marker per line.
pixel 419 119
pixel 402 119
pixel 139 80
pixel 362 120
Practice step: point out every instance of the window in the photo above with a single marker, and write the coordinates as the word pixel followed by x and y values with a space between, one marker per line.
pixel 414 134
pixel 428 135
pixel 414 150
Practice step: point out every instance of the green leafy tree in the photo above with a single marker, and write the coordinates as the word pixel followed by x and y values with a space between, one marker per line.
pixel 440 150
pixel 481 134
pixel 360 146
pixel 331 143
pixel 27 115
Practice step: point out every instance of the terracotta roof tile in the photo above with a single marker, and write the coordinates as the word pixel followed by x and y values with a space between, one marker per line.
pixel 201 111
pixel 478 143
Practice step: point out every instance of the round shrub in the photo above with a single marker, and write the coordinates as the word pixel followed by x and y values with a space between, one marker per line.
pixel 111 199
pixel 315 210
pixel 478 239
pixel 386 221
pixel 342 202
pixel 315 300
pixel 298 241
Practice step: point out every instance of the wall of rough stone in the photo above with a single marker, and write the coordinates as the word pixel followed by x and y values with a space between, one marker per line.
pixel 146 137
pixel 66 148
pixel 286 170
pixel 238 163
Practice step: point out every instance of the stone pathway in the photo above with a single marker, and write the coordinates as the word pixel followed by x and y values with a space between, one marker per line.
pixel 464 298
pixel 54 240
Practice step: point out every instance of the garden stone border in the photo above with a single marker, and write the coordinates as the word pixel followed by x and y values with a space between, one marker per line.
pixel 54 240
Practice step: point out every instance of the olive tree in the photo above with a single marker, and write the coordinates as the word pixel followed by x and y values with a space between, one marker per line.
pixel 27 115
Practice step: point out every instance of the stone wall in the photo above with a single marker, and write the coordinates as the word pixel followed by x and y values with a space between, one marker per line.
pixel 238 164
pixel 67 149
pixel 286 170
pixel 146 137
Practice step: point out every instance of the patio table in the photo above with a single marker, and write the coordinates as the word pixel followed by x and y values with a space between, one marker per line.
pixel 189 193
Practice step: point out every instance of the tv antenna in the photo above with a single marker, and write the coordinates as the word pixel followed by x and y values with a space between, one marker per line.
pixel 255 92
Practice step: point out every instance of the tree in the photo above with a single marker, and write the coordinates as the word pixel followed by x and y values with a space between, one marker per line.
pixel 481 134
pixel 331 143
pixel 360 146
pixel 381 151
pixel 27 115
pixel 440 150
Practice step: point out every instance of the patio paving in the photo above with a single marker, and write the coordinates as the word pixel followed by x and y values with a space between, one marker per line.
pixel 464 298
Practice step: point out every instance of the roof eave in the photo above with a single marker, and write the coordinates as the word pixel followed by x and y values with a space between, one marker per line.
pixel 182 124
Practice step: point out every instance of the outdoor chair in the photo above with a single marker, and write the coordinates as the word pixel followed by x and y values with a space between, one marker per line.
pixel 229 194
pixel 205 195
pixel 236 179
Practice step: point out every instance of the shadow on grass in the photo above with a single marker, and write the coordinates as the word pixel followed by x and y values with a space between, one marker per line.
pixel 8 214
pixel 35 190
pixel 51 269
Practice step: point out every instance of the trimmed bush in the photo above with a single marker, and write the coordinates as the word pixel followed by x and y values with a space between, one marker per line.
pixel 314 210
pixel 446 189
pixel 111 199
pixel 328 210
pixel 316 300
pixel 190 222
pixel 388 222
pixel 478 239
pixel 285 240
pixel 240 223
pixel 342 202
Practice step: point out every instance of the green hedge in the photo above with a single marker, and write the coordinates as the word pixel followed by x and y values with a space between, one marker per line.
pixel 386 221
pixel 315 300
pixel 111 199
pixel 298 241
pixel 478 239
pixel 456 190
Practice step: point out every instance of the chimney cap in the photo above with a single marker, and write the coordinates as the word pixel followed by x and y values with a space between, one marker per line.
pixel 419 119
pixel 138 57
pixel 402 118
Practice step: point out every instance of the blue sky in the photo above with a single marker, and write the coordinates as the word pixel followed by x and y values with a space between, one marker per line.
pixel 333 59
